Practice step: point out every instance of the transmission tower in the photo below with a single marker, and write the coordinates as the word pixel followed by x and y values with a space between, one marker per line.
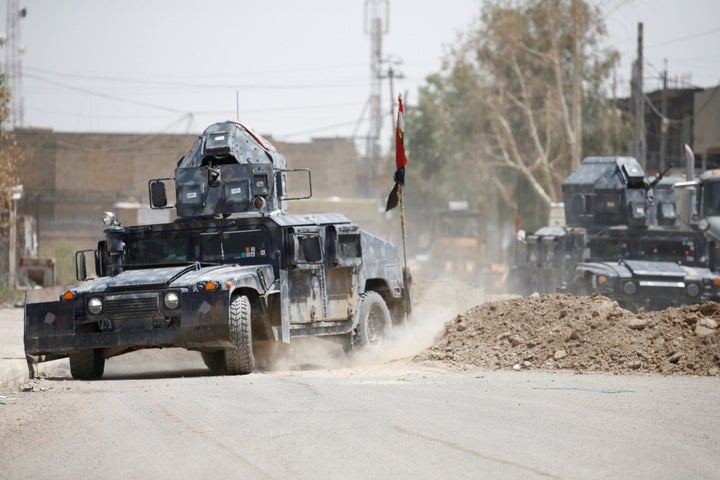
pixel 13 62
pixel 377 13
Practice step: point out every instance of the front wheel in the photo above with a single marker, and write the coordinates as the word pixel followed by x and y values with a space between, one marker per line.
pixel 374 324
pixel 87 364
pixel 239 360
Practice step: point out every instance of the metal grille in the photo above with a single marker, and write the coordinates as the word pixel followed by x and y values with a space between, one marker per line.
pixel 131 307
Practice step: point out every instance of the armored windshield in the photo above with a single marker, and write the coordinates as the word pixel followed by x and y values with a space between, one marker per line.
pixel 220 247
pixel 156 251
pixel 609 249
pixel 681 250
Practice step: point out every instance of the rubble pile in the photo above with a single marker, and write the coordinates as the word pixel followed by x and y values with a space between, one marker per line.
pixel 582 334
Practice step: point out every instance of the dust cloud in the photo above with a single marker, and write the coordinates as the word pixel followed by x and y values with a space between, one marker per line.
pixel 434 304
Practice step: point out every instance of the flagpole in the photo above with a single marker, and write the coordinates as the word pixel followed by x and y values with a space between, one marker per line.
pixel 400 162
pixel 402 224
pixel 396 197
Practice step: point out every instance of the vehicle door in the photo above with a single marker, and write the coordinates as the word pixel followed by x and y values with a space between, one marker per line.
pixel 306 288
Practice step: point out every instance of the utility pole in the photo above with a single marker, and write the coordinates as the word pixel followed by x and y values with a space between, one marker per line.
pixel 639 102
pixel 13 63
pixel 576 107
pixel 16 195
pixel 391 75
pixel 664 122
pixel 377 14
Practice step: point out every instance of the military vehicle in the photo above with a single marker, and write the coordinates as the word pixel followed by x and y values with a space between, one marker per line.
pixel 454 245
pixel 621 239
pixel 699 204
pixel 234 269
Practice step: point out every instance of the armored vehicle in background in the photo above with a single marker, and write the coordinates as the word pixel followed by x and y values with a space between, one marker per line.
pixel 453 244
pixel 232 270
pixel 621 239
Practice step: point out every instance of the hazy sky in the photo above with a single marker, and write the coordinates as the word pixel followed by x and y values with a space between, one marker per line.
pixel 301 69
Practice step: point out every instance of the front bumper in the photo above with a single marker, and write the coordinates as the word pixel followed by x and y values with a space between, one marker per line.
pixel 134 321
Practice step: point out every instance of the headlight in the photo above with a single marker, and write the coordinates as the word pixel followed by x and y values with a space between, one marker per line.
pixel 259 202
pixel 630 288
pixel 693 290
pixel 110 219
pixel 171 300
pixel 95 306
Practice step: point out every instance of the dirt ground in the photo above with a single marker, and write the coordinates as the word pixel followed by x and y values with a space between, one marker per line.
pixel 582 334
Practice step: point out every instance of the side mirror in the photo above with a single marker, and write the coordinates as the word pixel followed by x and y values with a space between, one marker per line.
pixel 295 176
pixel 80 267
pixel 100 258
pixel 81 264
pixel 158 193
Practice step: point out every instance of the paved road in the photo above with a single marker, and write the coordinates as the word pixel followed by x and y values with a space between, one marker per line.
pixel 394 420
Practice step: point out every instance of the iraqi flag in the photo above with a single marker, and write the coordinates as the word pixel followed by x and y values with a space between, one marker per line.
pixel 400 159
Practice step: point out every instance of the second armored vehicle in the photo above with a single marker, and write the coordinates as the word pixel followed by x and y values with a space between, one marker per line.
pixel 621 239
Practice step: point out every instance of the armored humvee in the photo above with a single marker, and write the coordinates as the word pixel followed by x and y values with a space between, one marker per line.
pixel 621 239
pixel 232 270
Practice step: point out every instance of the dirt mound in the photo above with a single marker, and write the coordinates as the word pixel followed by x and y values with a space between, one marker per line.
pixel 584 334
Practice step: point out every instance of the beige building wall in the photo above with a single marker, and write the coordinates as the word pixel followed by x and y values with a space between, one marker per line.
pixel 706 135
pixel 70 179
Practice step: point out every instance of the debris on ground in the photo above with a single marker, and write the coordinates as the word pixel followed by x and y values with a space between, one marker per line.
pixel 582 334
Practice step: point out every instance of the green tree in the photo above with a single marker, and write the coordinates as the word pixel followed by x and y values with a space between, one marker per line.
pixel 509 115
pixel 10 158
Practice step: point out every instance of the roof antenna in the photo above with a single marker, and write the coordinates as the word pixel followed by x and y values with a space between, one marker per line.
pixel 237 105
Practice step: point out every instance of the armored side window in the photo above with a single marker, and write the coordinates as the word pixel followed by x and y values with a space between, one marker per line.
pixel 220 247
pixel 349 246
pixel 310 249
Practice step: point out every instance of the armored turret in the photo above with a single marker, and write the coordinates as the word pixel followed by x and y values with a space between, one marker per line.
pixel 606 191
pixel 229 170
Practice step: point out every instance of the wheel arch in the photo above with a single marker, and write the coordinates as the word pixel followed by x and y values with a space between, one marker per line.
pixel 261 325
pixel 395 305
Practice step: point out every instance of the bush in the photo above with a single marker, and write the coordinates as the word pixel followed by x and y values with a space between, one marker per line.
pixel 9 295
pixel 64 255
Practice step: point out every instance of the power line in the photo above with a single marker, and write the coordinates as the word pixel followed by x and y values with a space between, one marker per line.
pixel 104 95
pixel 687 37
pixel 233 86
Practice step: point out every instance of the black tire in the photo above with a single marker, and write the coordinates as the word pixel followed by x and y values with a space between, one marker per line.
pixel 87 364
pixel 215 361
pixel 240 360
pixel 374 323
pixel 583 289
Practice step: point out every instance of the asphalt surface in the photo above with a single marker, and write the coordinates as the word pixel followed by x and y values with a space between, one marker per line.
pixel 395 420
pixel 159 414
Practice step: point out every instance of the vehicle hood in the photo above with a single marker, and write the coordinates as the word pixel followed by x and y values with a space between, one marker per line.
pixel 641 268
pixel 168 276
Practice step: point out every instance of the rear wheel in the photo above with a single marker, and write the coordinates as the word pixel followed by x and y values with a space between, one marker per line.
pixel 374 324
pixel 215 361
pixel 239 360
pixel 87 364
pixel 583 288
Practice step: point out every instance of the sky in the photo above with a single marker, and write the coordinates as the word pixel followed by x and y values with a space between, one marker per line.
pixel 294 70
